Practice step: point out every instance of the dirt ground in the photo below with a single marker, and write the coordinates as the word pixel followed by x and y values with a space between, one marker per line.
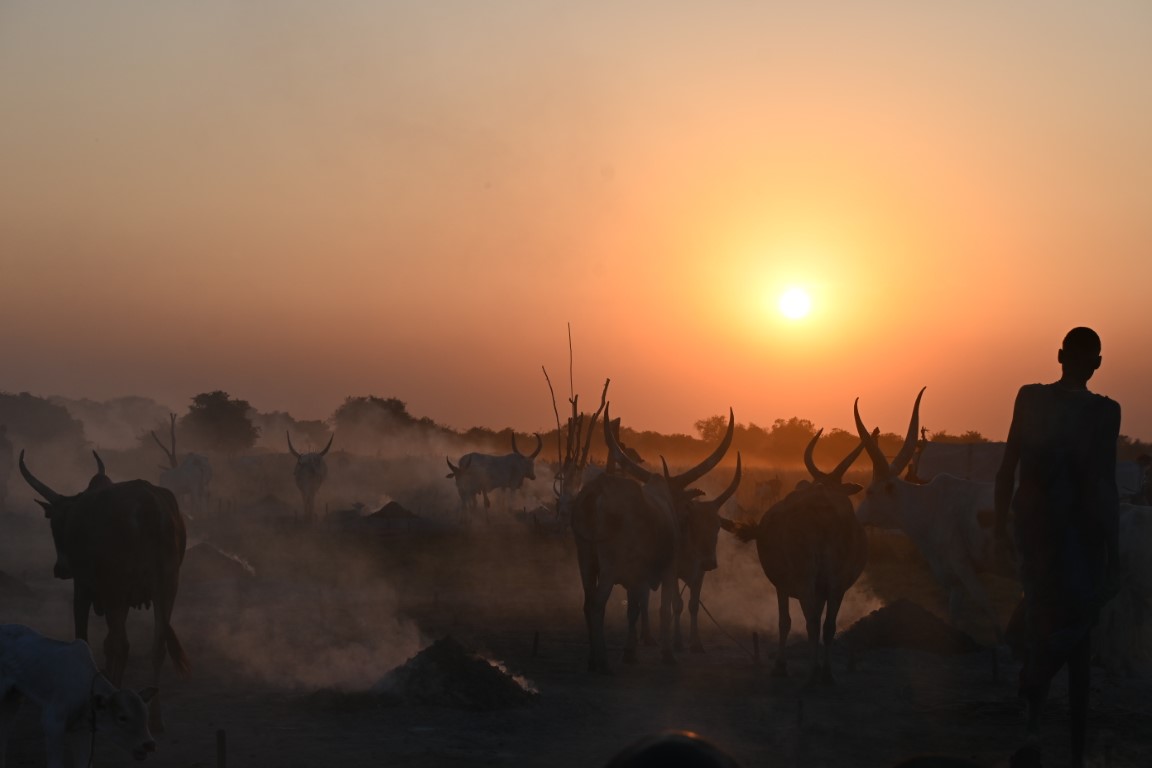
pixel 313 610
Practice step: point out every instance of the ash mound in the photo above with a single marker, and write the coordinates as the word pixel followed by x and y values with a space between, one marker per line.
pixel 904 624
pixel 448 675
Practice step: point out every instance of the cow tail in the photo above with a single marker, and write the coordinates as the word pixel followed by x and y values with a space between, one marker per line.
pixel 176 651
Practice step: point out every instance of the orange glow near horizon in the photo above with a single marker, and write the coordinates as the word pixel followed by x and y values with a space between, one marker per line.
pixel 375 201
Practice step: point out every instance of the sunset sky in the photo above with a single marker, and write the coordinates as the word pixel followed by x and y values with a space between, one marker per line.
pixel 300 201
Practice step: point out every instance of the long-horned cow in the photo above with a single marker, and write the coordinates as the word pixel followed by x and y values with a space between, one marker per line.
pixel 812 549
pixel 188 478
pixel 630 533
pixel 310 473
pixel 949 518
pixel 481 473
pixel 122 545
pixel 694 558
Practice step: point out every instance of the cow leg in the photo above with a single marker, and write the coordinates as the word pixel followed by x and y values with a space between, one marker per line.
pixel 812 607
pixel 116 643
pixel 830 635
pixel 780 668
pixel 637 601
pixel 669 590
pixel 694 644
pixel 596 594
pixel 645 626
pixel 677 609
pixel 81 606
pixel 56 741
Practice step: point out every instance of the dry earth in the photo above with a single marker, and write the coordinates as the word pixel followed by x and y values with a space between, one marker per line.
pixel 322 612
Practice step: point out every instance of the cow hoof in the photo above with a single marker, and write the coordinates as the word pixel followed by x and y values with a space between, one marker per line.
pixel 630 656
pixel 696 648
pixel 668 658
pixel 779 670
pixel 648 640
pixel 677 646
pixel 826 677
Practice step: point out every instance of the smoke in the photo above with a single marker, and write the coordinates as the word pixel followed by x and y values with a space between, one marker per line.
pixel 118 423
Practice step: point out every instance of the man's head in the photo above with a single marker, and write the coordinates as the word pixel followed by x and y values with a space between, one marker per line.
pixel 1080 353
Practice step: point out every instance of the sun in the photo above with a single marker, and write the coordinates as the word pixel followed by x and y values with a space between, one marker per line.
pixel 795 303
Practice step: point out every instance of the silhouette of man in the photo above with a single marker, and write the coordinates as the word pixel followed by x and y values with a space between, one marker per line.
pixel 1066 519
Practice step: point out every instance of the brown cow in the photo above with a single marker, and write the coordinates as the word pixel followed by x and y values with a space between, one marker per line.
pixel 122 544
pixel 629 533
pixel 813 549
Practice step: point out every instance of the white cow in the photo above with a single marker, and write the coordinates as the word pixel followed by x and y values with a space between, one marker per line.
pixel 481 473
pixel 949 518
pixel 76 701
pixel 1123 637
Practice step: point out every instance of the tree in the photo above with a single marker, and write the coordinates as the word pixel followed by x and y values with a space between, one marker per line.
pixel 971 436
pixel 35 420
pixel 217 421
pixel 712 428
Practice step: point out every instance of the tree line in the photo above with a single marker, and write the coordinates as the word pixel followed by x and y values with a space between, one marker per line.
pixel 217 421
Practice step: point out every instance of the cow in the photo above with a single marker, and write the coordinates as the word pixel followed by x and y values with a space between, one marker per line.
pixel 122 545
pixel 77 703
pixel 813 549
pixel 310 473
pixel 480 473
pixel 629 532
pixel 948 518
pixel 695 557
pixel 1123 638
pixel 188 478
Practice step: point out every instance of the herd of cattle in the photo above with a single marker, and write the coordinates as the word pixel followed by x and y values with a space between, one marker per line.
pixel 122 545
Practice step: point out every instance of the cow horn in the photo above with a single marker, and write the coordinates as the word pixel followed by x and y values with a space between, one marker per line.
pixel 686 478
pixel 836 476
pixel 909 446
pixel 817 475
pixel 99 465
pixel 664 464
pixel 451 466
pixel 290 448
pixel 623 459
pixel 719 501
pixel 49 495
pixel 330 439
pixel 880 467
pixel 539 445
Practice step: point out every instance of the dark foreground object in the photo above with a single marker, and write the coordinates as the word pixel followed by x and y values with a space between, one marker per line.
pixel 904 624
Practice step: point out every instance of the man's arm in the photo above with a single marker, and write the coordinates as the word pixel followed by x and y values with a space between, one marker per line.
pixel 1006 475
pixel 1109 494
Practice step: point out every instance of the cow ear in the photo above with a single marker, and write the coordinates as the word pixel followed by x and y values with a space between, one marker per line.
pixel 147 694
pixel 851 488
pixel 985 517
pixel 47 507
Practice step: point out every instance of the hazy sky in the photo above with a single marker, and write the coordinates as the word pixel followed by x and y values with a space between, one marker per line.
pixel 300 201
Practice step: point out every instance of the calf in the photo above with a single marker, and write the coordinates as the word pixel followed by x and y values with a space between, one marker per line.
pixel 76 701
